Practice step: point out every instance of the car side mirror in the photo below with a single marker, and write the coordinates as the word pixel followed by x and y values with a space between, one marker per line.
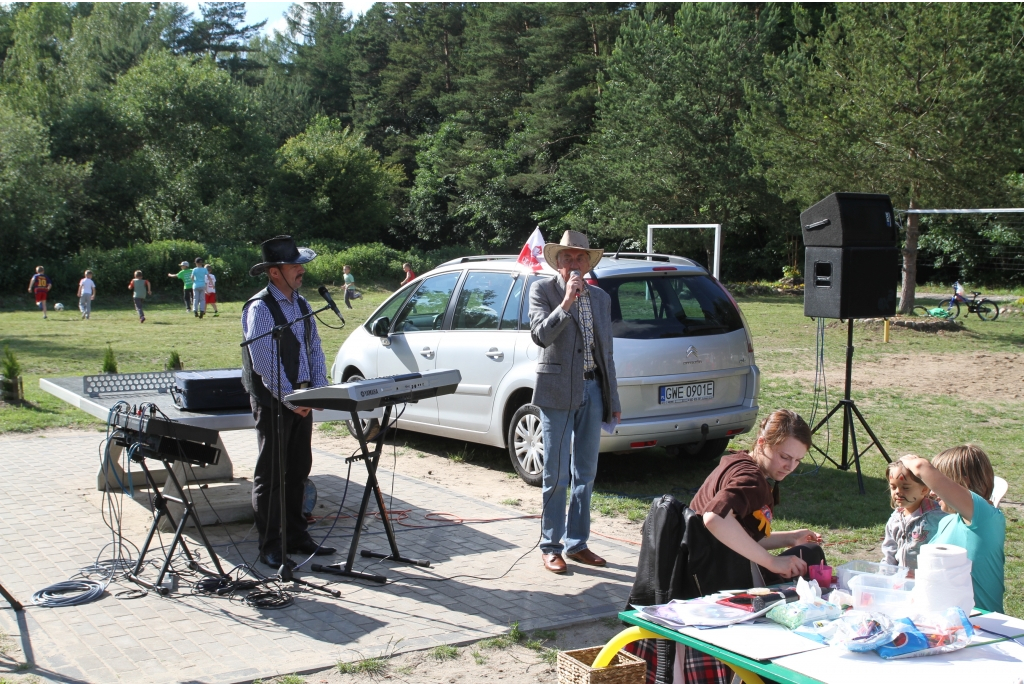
pixel 381 327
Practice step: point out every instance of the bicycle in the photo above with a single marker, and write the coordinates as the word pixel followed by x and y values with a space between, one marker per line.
pixel 949 309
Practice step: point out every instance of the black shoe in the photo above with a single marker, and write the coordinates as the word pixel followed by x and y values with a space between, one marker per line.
pixel 273 560
pixel 310 547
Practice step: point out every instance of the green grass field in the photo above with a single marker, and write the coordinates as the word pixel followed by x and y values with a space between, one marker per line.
pixel 822 498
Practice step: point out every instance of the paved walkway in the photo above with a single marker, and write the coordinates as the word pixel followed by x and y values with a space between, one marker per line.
pixel 51 526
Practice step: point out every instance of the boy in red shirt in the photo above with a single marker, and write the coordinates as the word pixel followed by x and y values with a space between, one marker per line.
pixel 40 286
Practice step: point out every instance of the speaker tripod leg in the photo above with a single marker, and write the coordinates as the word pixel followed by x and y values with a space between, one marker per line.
pixel 848 421
pixel 874 439
pixel 821 423
pixel 15 604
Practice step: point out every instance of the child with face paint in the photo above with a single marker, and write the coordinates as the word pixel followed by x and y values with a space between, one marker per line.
pixel 915 519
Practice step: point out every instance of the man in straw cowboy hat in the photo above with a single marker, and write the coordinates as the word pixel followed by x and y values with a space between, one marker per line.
pixel 575 390
pixel 302 366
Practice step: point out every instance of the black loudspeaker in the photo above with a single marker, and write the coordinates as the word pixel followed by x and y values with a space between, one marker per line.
pixel 850 220
pixel 851 282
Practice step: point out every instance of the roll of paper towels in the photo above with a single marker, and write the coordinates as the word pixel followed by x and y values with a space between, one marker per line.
pixel 934 557
pixel 943 579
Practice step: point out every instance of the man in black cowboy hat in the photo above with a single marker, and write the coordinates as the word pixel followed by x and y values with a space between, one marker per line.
pixel 302 366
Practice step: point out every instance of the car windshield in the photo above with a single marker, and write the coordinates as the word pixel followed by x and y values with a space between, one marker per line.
pixel 645 307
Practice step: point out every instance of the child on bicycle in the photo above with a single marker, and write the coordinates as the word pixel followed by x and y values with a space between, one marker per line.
pixel 915 518
pixel 963 479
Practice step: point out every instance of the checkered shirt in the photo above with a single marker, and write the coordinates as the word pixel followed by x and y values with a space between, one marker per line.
pixel 257 320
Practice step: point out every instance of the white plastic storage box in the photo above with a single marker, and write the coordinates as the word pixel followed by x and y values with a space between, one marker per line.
pixel 855 568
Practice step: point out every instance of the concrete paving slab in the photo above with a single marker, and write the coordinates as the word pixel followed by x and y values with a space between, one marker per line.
pixel 51 527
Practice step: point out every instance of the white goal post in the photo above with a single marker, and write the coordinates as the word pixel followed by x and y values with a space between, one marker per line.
pixel 718 239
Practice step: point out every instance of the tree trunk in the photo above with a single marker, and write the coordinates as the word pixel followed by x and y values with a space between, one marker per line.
pixel 910 262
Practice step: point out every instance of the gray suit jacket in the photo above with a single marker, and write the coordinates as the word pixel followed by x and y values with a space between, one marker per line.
pixel 560 337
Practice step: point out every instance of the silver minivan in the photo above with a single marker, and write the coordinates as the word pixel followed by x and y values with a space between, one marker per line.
pixel 683 355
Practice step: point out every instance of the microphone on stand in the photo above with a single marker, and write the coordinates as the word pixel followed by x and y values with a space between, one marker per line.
pixel 330 302
pixel 576 272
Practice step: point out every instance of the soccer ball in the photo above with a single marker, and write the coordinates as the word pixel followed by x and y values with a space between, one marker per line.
pixel 58 307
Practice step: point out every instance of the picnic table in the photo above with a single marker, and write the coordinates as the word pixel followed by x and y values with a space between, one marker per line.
pixel 991 661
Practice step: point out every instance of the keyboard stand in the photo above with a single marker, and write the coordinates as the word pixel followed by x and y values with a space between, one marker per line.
pixel 372 488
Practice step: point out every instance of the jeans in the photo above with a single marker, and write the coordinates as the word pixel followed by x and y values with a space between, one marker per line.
pixel 138 307
pixel 199 295
pixel 187 296
pixel 571 441
pixel 348 296
pixel 85 305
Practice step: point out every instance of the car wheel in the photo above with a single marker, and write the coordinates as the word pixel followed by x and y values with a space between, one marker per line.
pixel 526 444
pixel 711 449
pixel 370 427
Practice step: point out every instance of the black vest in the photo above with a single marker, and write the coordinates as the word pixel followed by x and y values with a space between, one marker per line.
pixel 290 348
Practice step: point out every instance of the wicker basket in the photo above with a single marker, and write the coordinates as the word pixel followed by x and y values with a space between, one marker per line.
pixel 574 667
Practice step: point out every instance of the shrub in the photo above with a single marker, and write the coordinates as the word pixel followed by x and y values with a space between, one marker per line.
pixel 109 361
pixel 9 366
pixel 174 362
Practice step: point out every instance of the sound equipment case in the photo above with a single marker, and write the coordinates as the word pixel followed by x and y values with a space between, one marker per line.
pixel 209 389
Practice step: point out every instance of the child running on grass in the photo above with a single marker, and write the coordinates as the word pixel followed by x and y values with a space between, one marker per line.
pixel 86 294
pixel 211 291
pixel 963 479
pixel 915 519
pixel 185 276
pixel 39 286
pixel 140 288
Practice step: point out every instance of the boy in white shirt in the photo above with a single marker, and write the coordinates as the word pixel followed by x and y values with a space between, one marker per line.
pixel 211 291
pixel 86 294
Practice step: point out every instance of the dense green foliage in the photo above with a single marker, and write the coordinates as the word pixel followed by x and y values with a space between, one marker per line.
pixel 429 125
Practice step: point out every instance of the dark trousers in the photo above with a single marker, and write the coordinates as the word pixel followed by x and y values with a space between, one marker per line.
pixel 187 296
pixel 298 460
pixel 138 307
pixel 348 296
pixel 810 552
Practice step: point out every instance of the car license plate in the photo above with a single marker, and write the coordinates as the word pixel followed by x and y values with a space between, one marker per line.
pixel 687 392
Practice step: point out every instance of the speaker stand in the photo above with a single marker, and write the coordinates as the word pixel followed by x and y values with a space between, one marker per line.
pixel 850 412
pixel 15 604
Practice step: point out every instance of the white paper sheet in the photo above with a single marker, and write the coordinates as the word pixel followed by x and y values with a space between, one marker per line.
pixel 999 663
pixel 760 641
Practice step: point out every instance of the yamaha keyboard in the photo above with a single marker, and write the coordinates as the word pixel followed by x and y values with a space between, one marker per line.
pixel 369 394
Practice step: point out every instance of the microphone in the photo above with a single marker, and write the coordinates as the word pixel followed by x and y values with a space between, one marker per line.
pixel 576 272
pixel 330 302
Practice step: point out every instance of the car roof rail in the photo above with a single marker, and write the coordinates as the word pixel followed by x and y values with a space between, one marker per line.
pixel 653 257
pixel 479 258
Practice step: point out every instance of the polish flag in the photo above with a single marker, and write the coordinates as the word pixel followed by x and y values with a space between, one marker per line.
pixel 532 254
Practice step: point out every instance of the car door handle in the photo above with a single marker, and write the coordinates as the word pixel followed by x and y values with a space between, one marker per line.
pixel 495 354
pixel 427 352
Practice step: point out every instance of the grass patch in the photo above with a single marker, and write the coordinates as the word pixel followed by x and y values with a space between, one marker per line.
pixel 633 508
pixel 444 652
pixel 479 658
pixel 338 429
pixel 549 656
pixel 466 454
pixel 291 679
pixel 511 502
pixel 514 636
pixel 376 667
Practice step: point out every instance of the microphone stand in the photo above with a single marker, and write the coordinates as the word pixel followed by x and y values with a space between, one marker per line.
pixel 285 572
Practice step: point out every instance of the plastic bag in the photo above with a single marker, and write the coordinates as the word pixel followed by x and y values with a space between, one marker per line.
pixel 810 607
pixel 929 633
pixel 862 631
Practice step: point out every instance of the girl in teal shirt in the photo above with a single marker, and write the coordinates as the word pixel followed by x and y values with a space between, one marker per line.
pixel 963 479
